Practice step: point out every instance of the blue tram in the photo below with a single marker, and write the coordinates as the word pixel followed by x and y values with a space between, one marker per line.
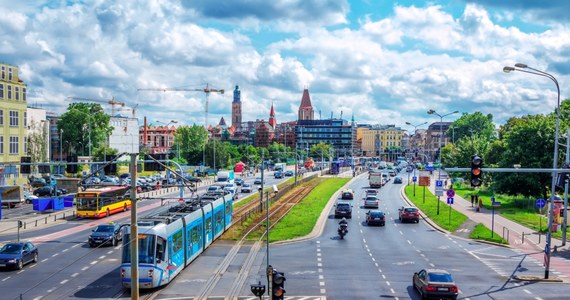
pixel 169 240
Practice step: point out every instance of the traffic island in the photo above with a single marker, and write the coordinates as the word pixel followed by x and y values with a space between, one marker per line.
pixel 536 278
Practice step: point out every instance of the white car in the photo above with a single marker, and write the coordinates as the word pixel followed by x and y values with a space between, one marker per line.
pixel 246 188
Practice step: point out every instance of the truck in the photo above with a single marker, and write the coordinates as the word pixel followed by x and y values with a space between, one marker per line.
pixel 225 177
pixel 11 195
pixel 280 167
pixel 375 180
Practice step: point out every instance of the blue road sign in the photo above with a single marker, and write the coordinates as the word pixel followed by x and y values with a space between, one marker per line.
pixel 429 168
pixel 450 200
pixel 439 183
pixel 496 203
pixel 414 179
pixel 540 203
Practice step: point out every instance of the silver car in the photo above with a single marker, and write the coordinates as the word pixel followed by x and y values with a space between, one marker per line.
pixel 371 202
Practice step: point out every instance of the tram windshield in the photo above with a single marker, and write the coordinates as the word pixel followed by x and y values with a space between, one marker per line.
pixel 146 248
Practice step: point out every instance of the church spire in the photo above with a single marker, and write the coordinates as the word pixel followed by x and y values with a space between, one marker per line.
pixel 272 120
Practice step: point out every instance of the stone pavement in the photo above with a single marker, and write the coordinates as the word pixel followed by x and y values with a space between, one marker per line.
pixel 517 235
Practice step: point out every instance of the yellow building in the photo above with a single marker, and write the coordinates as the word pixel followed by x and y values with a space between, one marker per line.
pixel 13 116
pixel 376 139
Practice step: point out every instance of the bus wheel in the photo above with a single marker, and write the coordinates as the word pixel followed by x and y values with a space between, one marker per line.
pixel 124 207
pixel 107 213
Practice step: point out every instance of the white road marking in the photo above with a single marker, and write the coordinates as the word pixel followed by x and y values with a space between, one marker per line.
pixel 93 262
pixel 527 291
pixel 321 283
pixel 432 265
pixel 323 291
pixel 6 278
pixel 102 257
pixel 84 268
pixel 388 283
pixel 64 281
pixel 74 274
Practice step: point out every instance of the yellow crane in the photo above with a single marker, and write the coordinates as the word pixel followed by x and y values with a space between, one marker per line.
pixel 113 102
pixel 207 90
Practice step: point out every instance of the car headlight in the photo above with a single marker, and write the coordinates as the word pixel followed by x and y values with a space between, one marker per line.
pixel 13 261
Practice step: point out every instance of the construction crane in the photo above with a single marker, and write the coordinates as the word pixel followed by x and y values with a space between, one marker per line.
pixel 113 102
pixel 206 90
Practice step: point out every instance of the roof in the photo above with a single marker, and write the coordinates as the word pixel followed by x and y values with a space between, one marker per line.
pixel 306 99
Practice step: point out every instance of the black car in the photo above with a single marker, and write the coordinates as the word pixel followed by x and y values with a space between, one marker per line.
pixel 49 191
pixel 37 182
pixel 343 209
pixel 16 255
pixel 106 234
pixel 278 174
pixel 375 218
pixel 288 173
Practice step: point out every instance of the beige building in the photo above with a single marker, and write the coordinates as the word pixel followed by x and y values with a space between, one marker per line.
pixel 377 138
pixel 13 116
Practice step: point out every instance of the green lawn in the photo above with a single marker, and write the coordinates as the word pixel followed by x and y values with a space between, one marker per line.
pixel 481 232
pixel 448 218
pixel 303 217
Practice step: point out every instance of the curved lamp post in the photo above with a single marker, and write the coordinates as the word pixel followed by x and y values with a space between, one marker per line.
pixel 415 129
pixel 523 68
pixel 433 112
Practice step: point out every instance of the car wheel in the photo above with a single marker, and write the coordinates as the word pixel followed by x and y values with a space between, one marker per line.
pixel 20 265
pixel 35 260
pixel 107 213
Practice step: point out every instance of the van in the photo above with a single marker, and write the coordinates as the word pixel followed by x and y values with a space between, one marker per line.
pixel 343 209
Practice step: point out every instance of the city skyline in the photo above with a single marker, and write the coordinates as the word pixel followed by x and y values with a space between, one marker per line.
pixel 396 60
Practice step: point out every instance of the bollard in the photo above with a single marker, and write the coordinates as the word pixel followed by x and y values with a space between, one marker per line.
pixel 46 220
pixel 55 217
pixel 36 223
pixel 523 238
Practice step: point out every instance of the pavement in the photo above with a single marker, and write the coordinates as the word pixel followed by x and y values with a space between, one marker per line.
pixel 519 237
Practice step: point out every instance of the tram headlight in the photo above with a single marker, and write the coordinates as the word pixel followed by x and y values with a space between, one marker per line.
pixel 122 273
pixel 150 272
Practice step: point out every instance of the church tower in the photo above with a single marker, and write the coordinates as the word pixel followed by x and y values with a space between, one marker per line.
pixel 306 109
pixel 236 109
pixel 272 120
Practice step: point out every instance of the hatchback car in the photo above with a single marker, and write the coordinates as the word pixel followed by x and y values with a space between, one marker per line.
pixel 106 234
pixel 409 214
pixel 371 201
pixel 375 218
pixel 16 255
pixel 347 194
pixel 435 283
pixel 397 179
pixel 246 188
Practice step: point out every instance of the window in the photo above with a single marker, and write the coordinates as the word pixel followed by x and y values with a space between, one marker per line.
pixel 25 145
pixel 25 119
pixel 1 117
pixel 9 74
pixel 17 92
pixel 24 97
pixel 1 145
pixel 3 72
pixel 13 118
pixel 9 92
pixel 1 91
pixel 13 145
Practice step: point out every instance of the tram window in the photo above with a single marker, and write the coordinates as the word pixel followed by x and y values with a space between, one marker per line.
pixel 160 246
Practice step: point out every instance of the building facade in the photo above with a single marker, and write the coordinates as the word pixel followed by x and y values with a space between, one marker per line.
pixel 378 140
pixel 159 139
pixel 236 109
pixel 13 114
pixel 436 138
pixel 340 134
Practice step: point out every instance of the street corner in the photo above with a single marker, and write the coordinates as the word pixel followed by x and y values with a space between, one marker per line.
pixel 538 278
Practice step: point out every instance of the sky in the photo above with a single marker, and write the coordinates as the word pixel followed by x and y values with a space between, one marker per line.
pixel 382 62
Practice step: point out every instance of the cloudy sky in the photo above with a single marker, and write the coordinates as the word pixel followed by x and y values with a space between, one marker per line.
pixel 385 62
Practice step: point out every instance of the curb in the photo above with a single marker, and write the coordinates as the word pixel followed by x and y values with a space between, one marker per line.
pixel 536 278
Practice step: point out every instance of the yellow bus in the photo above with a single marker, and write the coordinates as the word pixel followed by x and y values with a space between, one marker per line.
pixel 102 202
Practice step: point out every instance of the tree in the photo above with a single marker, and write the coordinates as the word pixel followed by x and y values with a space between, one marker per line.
pixel 78 120
pixel 103 152
pixel 37 144
pixel 190 141
pixel 472 124
pixel 322 150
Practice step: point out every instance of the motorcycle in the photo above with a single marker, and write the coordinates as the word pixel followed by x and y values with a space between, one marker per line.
pixel 342 230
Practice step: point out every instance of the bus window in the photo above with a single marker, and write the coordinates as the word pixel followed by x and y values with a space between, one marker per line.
pixel 160 246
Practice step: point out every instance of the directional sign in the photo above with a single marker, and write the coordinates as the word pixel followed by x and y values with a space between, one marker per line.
pixel 540 203
pixel 450 200
pixel 450 193
pixel 414 179
pixel 496 204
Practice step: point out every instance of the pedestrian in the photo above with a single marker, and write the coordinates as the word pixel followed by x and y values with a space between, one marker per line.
pixel 472 200
pixel 480 207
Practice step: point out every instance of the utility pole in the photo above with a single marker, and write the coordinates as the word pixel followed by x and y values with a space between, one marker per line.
pixel 134 242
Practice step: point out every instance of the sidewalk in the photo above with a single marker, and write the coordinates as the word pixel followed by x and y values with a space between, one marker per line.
pixel 517 235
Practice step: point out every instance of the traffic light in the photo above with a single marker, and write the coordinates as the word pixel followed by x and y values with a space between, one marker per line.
pixel 160 167
pixel 71 168
pixel 476 171
pixel 278 290
pixel 112 167
pixel 25 169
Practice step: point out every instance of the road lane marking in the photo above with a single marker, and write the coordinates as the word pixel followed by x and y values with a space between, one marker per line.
pixel 6 278
pixel 64 281
pixel 527 291
pixel 84 268
pixel 74 274
pixel 93 262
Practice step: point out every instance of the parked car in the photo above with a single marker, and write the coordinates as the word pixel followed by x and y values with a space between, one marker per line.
pixel 246 188
pixel 289 173
pixel 49 191
pixel 29 197
pixel 397 179
pixel 192 178
pixel 16 255
pixel 371 201
pixel 347 194
pixel 105 234
pixel 375 218
pixel 435 283
pixel 409 214
pixel 38 182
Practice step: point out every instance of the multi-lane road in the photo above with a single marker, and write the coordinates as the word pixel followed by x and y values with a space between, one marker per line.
pixel 370 263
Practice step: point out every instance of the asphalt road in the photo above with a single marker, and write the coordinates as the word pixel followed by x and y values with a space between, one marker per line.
pixel 370 263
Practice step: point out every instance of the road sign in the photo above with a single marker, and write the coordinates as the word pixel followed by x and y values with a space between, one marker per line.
pixel 496 204
pixel 439 183
pixel 450 200
pixel 450 193
pixel 414 179
pixel 540 203
pixel 439 188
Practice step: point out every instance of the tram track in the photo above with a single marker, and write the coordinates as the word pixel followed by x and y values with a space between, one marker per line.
pixel 277 211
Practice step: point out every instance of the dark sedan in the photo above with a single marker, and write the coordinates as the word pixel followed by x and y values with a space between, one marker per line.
pixel 435 283
pixel 375 218
pixel 106 233
pixel 16 255
pixel 48 191
pixel 288 173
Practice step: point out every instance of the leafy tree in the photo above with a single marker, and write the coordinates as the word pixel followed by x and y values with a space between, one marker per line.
pixel 249 155
pixel 80 119
pixel 104 152
pixel 191 142
pixel 37 144
pixel 323 150
pixel 472 124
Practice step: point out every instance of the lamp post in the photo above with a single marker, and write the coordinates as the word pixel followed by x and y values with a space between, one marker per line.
pixel 60 146
pixel 433 112
pixel 415 130
pixel 522 68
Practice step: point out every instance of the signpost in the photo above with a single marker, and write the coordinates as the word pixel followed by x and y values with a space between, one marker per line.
pixel 493 205
pixel 540 203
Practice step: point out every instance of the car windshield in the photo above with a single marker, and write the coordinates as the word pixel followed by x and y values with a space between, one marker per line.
pixel 439 277
pixel 104 229
pixel 410 210
pixel 376 214
pixel 343 206
pixel 11 249
pixel 371 198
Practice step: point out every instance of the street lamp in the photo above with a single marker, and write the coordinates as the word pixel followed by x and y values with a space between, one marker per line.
pixel 521 68
pixel 433 112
